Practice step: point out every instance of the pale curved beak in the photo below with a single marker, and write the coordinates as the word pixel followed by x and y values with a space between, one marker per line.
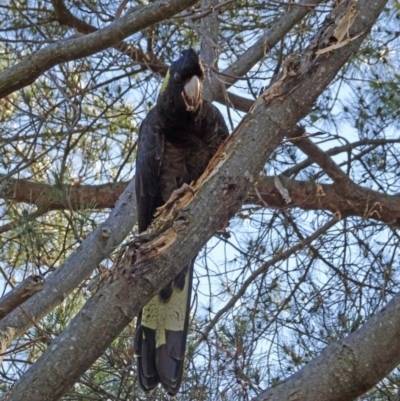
pixel 191 93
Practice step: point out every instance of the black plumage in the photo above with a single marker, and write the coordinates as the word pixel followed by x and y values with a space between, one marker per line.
pixel 176 141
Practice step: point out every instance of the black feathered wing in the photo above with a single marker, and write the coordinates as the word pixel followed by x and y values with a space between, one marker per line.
pixel 148 162
pixel 149 155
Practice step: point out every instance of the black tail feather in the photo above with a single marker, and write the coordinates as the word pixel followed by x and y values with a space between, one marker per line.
pixel 163 362
pixel 145 350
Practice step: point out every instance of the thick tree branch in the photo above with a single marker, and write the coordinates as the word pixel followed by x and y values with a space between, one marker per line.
pixel 27 71
pixel 373 203
pixel 349 367
pixel 74 197
pixel 308 195
pixel 194 218
pixel 305 195
pixel 237 102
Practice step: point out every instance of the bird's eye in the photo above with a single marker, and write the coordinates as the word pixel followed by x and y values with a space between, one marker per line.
pixel 177 77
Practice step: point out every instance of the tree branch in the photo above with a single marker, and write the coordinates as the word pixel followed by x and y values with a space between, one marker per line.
pixel 318 156
pixel 65 17
pixel 367 202
pixel 209 45
pixel 305 195
pixel 373 143
pixel 308 195
pixel 27 71
pixel 74 197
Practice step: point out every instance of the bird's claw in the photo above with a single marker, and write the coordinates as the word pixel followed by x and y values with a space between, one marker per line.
pixel 177 194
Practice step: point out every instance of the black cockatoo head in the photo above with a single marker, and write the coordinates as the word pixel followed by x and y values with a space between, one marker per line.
pixel 184 81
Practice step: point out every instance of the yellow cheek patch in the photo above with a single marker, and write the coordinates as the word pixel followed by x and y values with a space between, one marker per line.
pixel 165 83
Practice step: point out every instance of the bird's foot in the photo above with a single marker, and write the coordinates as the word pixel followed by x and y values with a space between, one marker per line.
pixel 177 194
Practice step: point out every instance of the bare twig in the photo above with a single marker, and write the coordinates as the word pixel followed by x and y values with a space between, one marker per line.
pixel 263 269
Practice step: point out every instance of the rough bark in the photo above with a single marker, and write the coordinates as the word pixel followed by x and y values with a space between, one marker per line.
pixel 73 197
pixel 178 234
pixel 308 195
pixel 209 46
